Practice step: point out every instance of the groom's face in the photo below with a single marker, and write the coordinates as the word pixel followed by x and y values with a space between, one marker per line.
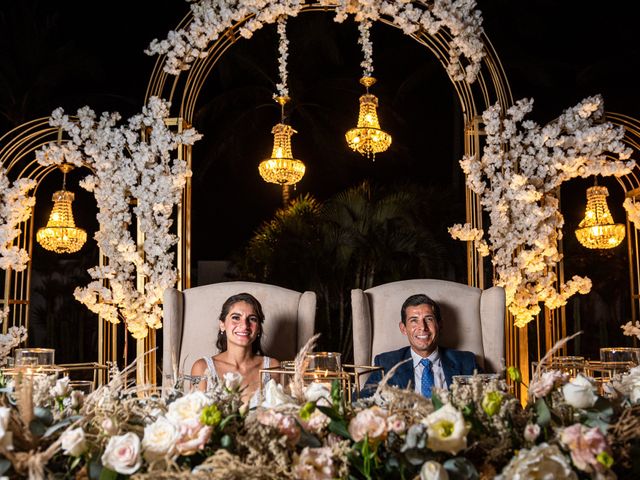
pixel 421 328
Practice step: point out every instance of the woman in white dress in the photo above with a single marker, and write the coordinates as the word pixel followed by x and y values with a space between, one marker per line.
pixel 238 342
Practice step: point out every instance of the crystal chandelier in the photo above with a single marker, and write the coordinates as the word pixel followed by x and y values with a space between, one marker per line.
pixel 367 138
pixel 61 234
pixel 281 167
pixel 597 229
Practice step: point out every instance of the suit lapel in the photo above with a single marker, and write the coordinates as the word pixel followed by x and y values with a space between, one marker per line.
pixel 449 366
pixel 404 374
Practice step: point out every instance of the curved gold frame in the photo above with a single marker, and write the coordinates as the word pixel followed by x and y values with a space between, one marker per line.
pixel 17 156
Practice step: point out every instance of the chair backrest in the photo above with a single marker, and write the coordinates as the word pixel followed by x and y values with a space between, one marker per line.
pixel 191 322
pixel 472 319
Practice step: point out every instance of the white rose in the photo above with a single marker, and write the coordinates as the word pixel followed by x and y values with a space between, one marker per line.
pixel 446 430
pixel 73 442
pixel 233 380
pixel 316 391
pixel 122 454
pixel 61 388
pixel 274 395
pixel 6 436
pixel 579 392
pixel 531 432
pixel 159 439
pixel 185 411
pixel 433 471
pixel 630 384
pixel 542 461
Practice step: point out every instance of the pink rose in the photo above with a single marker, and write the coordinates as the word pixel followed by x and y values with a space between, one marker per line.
pixel 193 439
pixel 545 384
pixel 585 445
pixel 122 454
pixel 396 424
pixel 314 464
pixel 285 424
pixel 370 423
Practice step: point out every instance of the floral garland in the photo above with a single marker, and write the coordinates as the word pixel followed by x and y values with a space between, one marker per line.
pixel 283 50
pixel 459 18
pixel 15 207
pixel 517 176
pixel 367 48
pixel 128 170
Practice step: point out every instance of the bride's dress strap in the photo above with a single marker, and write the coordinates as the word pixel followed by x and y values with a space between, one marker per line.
pixel 266 363
pixel 211 369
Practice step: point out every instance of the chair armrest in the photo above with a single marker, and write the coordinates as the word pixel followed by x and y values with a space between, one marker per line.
pixel 172 319
pixel 362 336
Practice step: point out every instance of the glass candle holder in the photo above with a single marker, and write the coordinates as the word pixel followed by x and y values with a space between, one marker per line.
pixel 85 386
pixel 34 357
pixel 322 368
pixel 323 361
pixel 571 365
pixel 620 354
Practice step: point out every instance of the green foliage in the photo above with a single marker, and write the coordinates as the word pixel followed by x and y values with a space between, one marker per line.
pixel 364 236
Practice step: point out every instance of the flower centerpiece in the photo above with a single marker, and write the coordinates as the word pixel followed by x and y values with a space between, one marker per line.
pixel 475 430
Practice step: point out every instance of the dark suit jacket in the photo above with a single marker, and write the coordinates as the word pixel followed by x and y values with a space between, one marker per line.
pixel 454 362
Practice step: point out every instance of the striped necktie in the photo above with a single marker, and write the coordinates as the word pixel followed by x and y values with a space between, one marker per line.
pixel 427 377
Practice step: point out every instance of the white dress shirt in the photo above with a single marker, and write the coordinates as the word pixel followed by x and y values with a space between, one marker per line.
pixel 438 373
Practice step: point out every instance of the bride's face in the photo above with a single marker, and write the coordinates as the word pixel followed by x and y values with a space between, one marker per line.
pixel 241 324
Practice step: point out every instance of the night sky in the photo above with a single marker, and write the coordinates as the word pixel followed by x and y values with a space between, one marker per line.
pixel 70 54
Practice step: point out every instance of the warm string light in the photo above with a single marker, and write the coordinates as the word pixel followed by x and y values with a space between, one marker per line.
pixel 61 234
pixel 281 167
pixel 367 138
pixel 597 229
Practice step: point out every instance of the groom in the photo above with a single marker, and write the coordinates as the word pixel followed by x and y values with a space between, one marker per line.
pixel 426 364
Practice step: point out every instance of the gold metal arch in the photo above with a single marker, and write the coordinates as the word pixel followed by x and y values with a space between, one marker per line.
pixel 17 157
pixel 183 92
pixel 491 87
pixel 630 184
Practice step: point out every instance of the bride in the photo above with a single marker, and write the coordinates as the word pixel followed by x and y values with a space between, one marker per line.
pixel 238 342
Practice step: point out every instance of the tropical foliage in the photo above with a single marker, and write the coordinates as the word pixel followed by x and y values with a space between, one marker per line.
pixel 362 237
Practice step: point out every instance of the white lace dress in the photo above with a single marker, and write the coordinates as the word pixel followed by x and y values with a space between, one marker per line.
pixel 212 376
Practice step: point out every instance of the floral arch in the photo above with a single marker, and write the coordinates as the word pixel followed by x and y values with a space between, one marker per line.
pixel 449 32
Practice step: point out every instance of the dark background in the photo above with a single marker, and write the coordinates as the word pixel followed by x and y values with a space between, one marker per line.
pixel 71 54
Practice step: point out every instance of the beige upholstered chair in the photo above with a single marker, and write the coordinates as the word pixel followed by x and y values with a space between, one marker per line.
pixel 472 319
pixel 191 321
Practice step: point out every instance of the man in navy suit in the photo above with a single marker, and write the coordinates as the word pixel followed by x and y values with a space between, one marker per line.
pixel 426 364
